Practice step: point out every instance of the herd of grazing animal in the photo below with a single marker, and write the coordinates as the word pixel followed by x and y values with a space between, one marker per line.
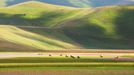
pixel 101 56
pixel 69 56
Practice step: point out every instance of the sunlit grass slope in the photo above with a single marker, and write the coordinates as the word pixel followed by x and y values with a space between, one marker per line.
pixel 18 36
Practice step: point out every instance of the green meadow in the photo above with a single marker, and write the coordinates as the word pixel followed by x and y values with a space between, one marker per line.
pixel 64 66
pixel 66 61
pixel 68 71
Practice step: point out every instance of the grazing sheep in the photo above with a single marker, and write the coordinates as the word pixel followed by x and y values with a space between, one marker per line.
pixel 72 57
pixel 78 57
pixel 66 56
pixel 101 56
pixel 117 57
pixel 50 55
pixel 60 54
pixel 39 54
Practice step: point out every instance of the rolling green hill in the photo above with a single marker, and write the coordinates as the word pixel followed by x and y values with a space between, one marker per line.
pixel 73 3
pixel 41 26
pixel 107 27
pixel 30 14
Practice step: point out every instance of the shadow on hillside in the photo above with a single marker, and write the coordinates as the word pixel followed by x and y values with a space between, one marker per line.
pixel 85 34
pixel 125 25
pixel 6 19
pixel 92 36
pixel 19 19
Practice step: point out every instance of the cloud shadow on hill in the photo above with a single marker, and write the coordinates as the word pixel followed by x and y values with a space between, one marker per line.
pixel 125 24
pixel 19 19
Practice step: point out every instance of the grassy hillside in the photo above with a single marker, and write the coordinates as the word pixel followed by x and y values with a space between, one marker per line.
pixel 15 38
pixel 66 27
pixel 72 3
pixel 37 13
pixel 34 14
pixel 106 27
pixel 22 13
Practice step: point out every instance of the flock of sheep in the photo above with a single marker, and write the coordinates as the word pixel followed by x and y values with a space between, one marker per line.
pixel 101 56
pixel 68 56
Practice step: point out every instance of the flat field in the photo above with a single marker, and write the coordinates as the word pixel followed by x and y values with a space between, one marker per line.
pixel 67 71
pixel 63 63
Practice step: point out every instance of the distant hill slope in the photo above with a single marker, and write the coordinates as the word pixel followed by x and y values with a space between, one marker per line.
pixel 73 3
pixel 39 26
pixel 37 13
